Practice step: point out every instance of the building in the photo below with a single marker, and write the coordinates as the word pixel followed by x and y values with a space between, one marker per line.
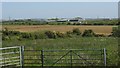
pixel 71 20
pixel 76 20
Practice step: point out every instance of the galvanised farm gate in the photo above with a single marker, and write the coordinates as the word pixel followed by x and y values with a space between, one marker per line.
pixel 11 57
pixel 51 58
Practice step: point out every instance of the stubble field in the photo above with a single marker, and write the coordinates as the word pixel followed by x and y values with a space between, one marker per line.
pixel 62 28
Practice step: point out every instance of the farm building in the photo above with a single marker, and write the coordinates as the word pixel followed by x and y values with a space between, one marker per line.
pixel 76 20
pixel 62 20
pixel 71 20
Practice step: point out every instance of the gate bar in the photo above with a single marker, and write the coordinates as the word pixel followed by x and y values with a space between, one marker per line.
pixel 9 47
pixel 42 58
pixel 71 57
pixel 21 56
pixel 104 57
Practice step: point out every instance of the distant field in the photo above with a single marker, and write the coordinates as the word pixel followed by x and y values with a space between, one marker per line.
pixel 62 28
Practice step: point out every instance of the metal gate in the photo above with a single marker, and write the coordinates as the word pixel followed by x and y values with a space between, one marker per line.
pixel 66 57
pixel 11 57
pixel 17 56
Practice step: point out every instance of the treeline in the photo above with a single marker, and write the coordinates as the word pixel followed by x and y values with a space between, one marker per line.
pixel 103 22
pixel 85 22
pixel 7 35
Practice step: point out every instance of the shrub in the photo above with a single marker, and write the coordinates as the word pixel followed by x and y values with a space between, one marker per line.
pixel 100 35
pixel 19 38
pixel 4 37
pixel 116 32
pixel 88 33
pixel 38 35
pixel 69 23
pixel 6 32
pixel 60 35
pixel 50 34
pixel 42 36
pixel 26 35
pixel 76 31
pixel 13 33
pixel 69 33
pixel 35 35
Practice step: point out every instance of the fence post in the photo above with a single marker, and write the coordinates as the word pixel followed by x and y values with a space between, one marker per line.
pixel 104 56
pixel 71 58
pixel 21 56
pixel 42 58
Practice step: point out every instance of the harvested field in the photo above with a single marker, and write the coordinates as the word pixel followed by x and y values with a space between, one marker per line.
pixel 62 28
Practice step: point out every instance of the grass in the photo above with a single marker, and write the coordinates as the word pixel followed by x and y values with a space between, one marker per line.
pixel 110 43
pixel 61 43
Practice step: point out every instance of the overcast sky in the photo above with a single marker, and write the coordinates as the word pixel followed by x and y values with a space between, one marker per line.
pixel 59 9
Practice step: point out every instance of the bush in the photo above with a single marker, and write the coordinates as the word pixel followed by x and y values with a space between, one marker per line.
pixel 38 35
pixel 76 31
pixel 100 35
pixel 60 35
pixel 69 33
pixel 50 34
pixel 26 35
pixel 35 35
pixel 88 33
pixel 116 32
pixel 5 37
pixel 19 38
pixel 42 36
pixel 6 32
pixel 69 23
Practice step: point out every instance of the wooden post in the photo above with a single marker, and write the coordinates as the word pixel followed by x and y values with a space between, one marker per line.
pixel 104 56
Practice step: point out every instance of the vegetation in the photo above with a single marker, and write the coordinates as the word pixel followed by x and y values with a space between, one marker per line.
pixel 85 22
pixel 7 35
pixel 110 43
pixel 76 31
pixel 54 40
pixel 70 39
pixel 88 33
pixel 106 30
pixel 116 32
pixel 50 34
pixel 102 22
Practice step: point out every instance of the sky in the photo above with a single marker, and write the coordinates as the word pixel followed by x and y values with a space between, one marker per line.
pixel 60 0
pixel 16 10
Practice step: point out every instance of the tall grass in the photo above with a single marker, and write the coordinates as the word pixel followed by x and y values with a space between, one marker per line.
pixel 110 43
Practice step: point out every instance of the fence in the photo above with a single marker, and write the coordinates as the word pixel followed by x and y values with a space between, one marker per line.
pixel 17 56
pixel 73 57
pixel 11 56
